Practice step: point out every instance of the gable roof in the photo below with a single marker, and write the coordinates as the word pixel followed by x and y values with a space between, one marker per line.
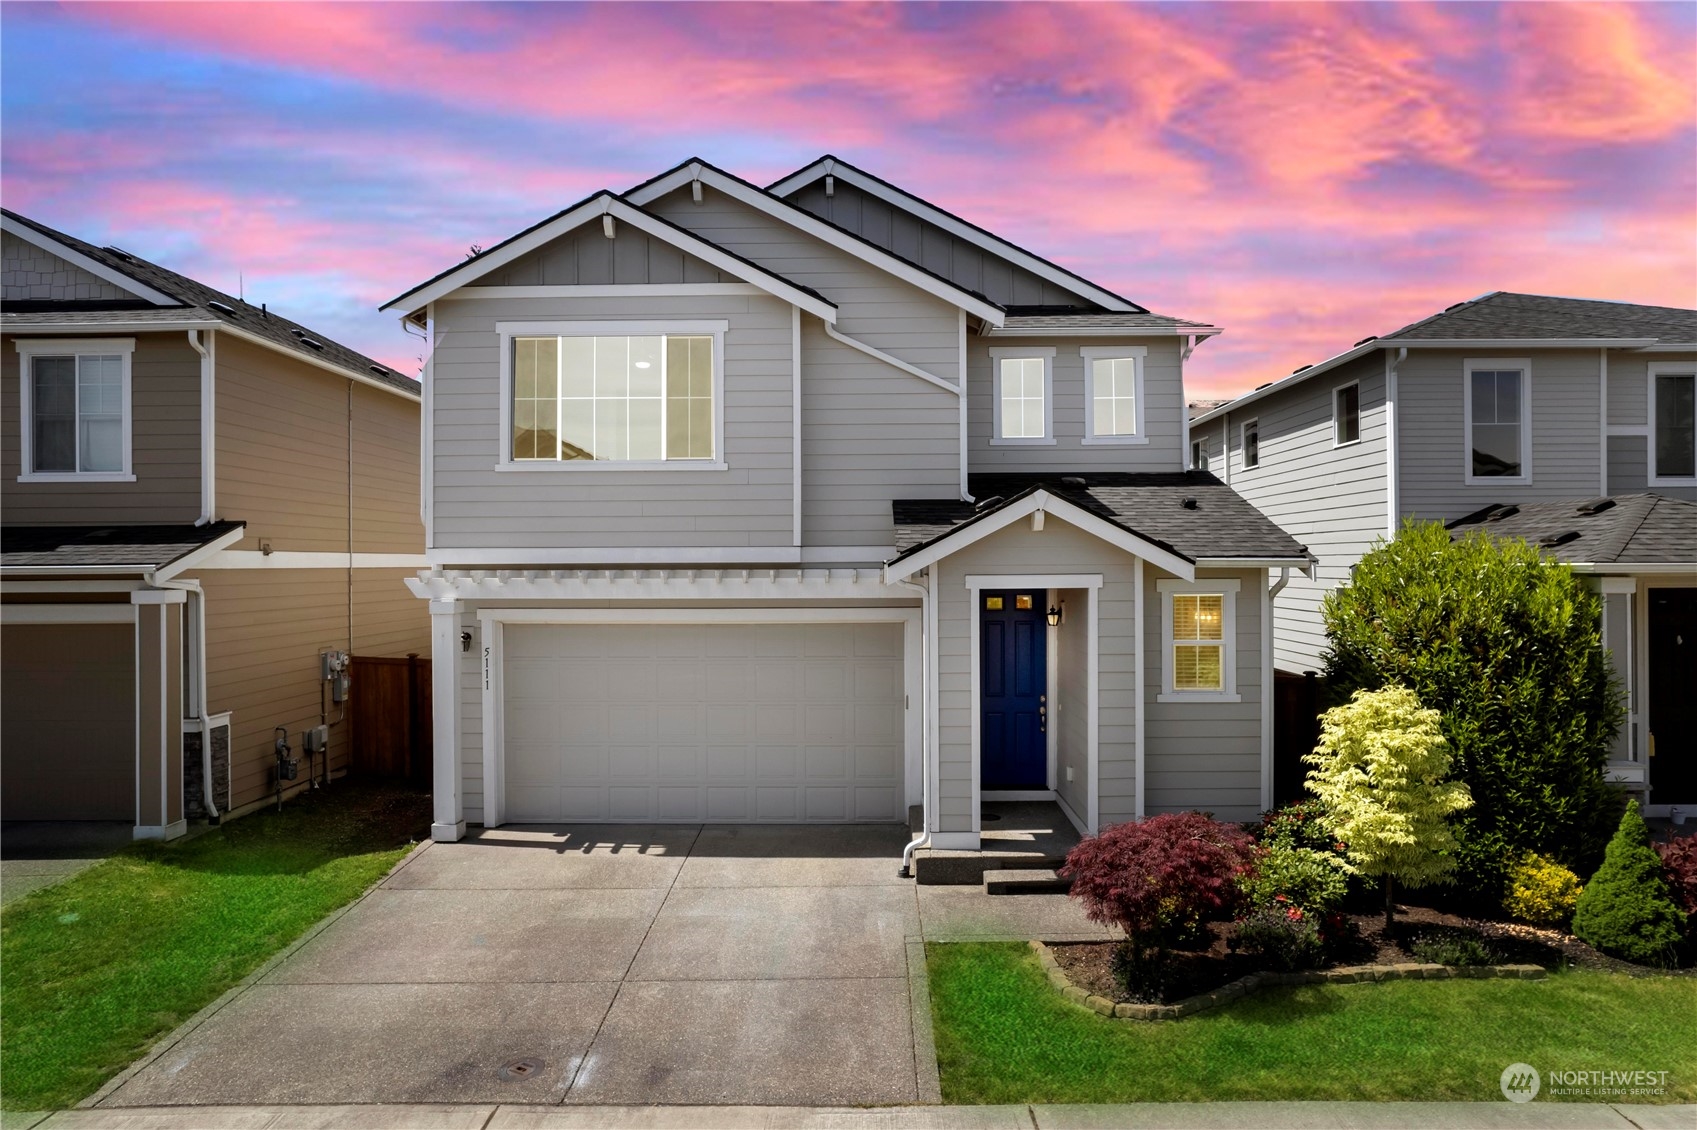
pixel 1505 320
pixel 830 165
pixel 1636 529
pixel 800 218
pixel 1221 525
pixel 589 209
pixel 182 302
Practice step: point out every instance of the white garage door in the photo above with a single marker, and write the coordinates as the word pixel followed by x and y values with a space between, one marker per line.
pixel 768 723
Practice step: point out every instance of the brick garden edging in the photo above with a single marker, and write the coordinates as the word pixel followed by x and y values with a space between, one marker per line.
pixel 1255 982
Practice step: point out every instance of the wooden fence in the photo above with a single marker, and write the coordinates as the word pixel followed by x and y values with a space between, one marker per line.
pixel 1296 730
pixel 389 707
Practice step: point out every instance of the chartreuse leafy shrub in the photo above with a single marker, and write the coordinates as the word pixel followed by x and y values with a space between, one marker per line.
pixel 1380 771
pixel 1679 864
pixel 1541 891
pixel 1158 880
pixel 1628 909
pixel 1505 645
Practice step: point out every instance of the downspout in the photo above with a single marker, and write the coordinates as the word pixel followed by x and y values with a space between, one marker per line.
pixel 926 609
pixel 208 454
pixel 1393 486
pixel 1267 782
pixel 198 598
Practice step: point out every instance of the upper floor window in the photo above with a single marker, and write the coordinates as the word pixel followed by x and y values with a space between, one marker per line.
pixel 601 398
pixel 1113 393
pixel 1024 411
pixel 1199 630
pixel 1198 455
pixel 1498 421
pixel 74 409
pixel 1251 444
pixel 1346 414
pixel 1673 423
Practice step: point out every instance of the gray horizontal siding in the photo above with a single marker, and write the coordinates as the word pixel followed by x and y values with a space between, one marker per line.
pixel 918 241
pixel 1163 410
pixel 1629 463
pixel 1629 392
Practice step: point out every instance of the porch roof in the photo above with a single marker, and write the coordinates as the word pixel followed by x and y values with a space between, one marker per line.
pixel 1190 513
pixel 105 546
pixel 1637 529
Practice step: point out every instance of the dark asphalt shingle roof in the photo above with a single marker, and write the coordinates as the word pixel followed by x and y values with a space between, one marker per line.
pixel 1507 315
pixel 1633 528
pixel 269 325
pixel 71 547
pixel 1151 505
pixel 1104 320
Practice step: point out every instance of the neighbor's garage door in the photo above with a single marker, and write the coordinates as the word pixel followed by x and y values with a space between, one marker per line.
pixel 771 723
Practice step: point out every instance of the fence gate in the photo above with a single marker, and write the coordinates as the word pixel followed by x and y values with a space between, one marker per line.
pixel 389 708
pixel 1296 731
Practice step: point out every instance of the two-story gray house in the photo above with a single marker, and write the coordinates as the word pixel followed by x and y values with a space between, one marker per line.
pixel 1562 421
pixel 814 502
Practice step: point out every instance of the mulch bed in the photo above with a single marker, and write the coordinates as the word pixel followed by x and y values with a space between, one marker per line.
pixel 1193 972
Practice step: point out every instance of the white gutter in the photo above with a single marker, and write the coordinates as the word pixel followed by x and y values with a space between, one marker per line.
pixel 927 612
pixel 208 455
pixel 1267 798
pixel 1192 332
pixel 198 704
pixel 913 370
pixel 1393 488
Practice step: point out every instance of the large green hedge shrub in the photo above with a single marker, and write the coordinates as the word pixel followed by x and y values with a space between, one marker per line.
pixel 1628 909
pixel 1505 645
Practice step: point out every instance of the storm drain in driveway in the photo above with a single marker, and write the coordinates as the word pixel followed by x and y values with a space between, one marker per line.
pixel 519 1070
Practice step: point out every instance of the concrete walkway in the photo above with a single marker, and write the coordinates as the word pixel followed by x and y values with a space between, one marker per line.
pixel 1152 1116
pixel 603 965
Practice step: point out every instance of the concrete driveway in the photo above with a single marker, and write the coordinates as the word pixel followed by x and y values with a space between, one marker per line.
pixel 602 964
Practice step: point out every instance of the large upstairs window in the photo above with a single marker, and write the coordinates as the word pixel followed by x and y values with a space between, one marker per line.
pixel 74 409
pixel 1113 394
pixel 1673 424
pixel 1499 421
pixel 1024 408
pixel 619 399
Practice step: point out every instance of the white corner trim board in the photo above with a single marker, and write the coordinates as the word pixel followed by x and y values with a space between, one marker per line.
pixel 292 559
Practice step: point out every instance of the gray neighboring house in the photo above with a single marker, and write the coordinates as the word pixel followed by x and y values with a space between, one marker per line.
pixel 814 502
pixel 1565 421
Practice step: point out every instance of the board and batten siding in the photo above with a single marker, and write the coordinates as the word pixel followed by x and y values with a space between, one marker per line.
pixel 476 506
pixel 1629 396
pixel 164 438
pixel 1163 410
pixel 1329 498
pixel 1059 549
pixel 963 263
pixel 30 273
pixel 1204 756
pixel 586 257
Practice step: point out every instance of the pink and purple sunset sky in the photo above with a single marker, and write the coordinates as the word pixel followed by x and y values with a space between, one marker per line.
pixel 1301 175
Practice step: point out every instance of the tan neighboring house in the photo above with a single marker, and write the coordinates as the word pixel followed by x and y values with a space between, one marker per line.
pixel 205 508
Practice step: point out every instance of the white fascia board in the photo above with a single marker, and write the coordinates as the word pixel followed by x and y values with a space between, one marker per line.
pixel 1671 347
pixel 607 204
pixel 1050 504
pixel 1251 562
pixel 69 325
pixel 1198 332
pixel 954 225
pixel 682 557
pixel 1291 381
pixel 1651 568
pixel 805 221
pixel 92 266
pixel 1517 342
pixel 196 557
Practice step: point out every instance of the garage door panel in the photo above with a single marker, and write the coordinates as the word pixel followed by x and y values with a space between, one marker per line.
pixel 775 723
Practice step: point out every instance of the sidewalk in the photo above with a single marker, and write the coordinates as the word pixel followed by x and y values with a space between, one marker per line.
pixel 1150 1116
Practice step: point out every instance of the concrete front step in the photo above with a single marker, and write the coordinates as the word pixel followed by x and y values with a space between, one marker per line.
pixel 1026 882
pixel 968 868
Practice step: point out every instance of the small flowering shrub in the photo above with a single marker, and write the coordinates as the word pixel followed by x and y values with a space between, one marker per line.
pixel 1313 881
pixel 1301 825
pixel 1679 866
pixel 1452 947
pixel 1541 891
pixel 1285 939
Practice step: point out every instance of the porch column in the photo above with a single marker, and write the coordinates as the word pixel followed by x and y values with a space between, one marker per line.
pixel 159 714
pixel 449 820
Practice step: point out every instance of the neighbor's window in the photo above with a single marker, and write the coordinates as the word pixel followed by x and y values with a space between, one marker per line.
pixel 1346 415
pixel 626 398
pixel 75 405
pixel 1113 388
pixel 1675 414
pixel 1199 648
pixel 1198 455
pixel 1022 395
pixel 1496 420
pixel 1252 444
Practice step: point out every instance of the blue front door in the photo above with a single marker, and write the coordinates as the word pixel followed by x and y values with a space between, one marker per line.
pixel 1013 698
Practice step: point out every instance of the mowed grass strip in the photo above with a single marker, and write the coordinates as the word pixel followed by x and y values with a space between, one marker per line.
pixel 92 971
pixel 1005 1036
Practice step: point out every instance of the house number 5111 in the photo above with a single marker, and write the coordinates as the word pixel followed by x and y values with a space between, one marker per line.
pixel 486 667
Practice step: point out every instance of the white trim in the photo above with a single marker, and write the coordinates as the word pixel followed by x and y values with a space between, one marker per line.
pixel 561 329
pixel 159 596
pixel 990 795
pixel 66 323
pixel 1066 810
pixel 955 226
pixel 427 428
pixel 471 293
pixel 654 585
pixel 680 614
pixel 1243 443
pixel 1603 423
pixel 1519 342
pixel 196 557
pixel 1105 331
pixel 1027 580
pixel 491 640
pixel 1393 480
pixel 1498 364
pixel 160 831
pixel 208 350
pixel 1138 355
pixel 67 613
pixel 606 204
pixel 617 555
pixel 1027 353
pixel 1226 446
pixel 447 791
pixel 1648 568
pixel 954 841
pixel 301 559
pixel 1337 391
pixel 846 554
pixel 1661 369
pixel 1670 347
pixel 795 426
pixel 1140 692
pixel 70 586
pixel 1060 508
pixel 77 259
pixel 961 369
pixel 1251 562
pixel 1227 589
pixel 805 221
pixel 1052 688
pixel 77 348
pixel 889 359
pixel 1617 586
pixel 1093 720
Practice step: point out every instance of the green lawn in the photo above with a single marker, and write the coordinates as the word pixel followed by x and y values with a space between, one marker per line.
pixel 95 969
pixel 1005 1036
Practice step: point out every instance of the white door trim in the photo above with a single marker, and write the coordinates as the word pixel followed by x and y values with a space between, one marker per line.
pixel 491 622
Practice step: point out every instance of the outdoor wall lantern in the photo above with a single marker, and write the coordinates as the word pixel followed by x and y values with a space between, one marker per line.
pixel 1056 613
